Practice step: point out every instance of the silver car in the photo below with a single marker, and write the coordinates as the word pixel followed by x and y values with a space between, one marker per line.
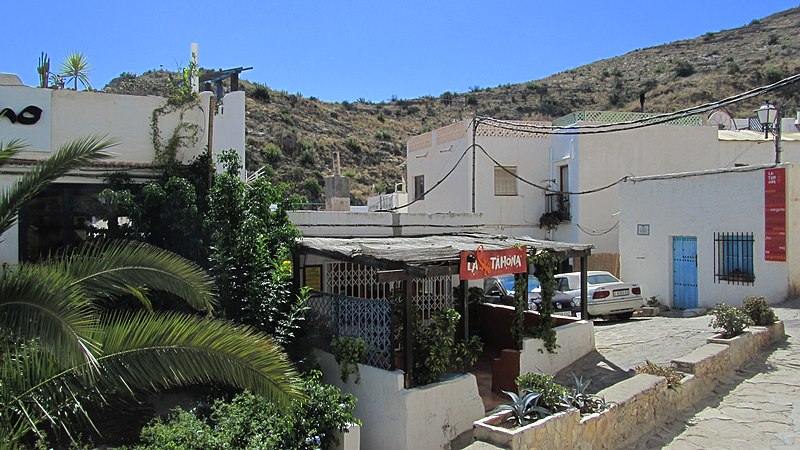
pixel 608 296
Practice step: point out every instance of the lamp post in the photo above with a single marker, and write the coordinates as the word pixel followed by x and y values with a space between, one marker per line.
pixel 770 117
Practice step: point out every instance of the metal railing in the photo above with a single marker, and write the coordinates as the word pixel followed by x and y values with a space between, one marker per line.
pixel 733 258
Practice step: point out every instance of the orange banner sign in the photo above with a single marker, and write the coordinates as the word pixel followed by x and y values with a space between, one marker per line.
pixel 486 263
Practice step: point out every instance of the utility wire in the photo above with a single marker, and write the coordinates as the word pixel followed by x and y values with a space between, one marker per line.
pixel 545 188
pixel 597 233
pixel 420 197
pixel 644 121
pixel 594 129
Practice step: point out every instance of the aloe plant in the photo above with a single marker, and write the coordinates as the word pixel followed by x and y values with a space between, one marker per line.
pixel 525 409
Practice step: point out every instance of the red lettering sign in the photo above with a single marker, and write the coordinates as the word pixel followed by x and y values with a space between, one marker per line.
pixel 486 263
pixel 775 214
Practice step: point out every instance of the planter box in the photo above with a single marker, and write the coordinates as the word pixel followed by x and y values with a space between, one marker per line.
pixel 556 431
pixel 742 347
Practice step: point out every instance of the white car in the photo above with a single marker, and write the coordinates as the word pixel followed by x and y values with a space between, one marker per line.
pixel 608 296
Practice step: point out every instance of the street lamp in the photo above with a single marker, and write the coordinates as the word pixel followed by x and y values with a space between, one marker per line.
pixel 769 117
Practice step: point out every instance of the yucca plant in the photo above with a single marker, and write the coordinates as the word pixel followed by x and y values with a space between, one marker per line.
pixel 74 69
pixel 63 346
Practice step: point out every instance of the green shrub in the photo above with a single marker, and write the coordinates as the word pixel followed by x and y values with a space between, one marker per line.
pixel 260 93
pixel 250 422
pixel 731 321
pixel 684 69
pixel 349 352
pixel 552 392
pixel 383 135
pixel 308 157
pixel 757 309
pixel 673 376
pixel 271 152
pixel 381 117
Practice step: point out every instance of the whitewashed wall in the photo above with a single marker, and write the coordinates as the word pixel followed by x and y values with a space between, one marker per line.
pixel 574 340
pixel 376 224
pixel 699 206
pixel 394 418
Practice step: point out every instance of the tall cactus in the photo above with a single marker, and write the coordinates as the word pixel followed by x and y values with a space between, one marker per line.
pixel 44 70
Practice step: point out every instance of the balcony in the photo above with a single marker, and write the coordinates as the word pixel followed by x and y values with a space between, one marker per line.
pixel 558 206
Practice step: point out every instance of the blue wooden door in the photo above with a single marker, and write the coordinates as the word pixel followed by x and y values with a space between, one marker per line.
pixel 684 272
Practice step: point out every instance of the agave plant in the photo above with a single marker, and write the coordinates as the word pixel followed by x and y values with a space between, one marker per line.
pixel 524 409
pixel 63 346
pixel 583 401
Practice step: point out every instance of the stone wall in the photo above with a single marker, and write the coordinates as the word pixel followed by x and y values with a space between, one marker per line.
pixel 640 402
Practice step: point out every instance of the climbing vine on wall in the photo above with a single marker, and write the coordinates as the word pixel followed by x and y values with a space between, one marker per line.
pixel 545 264
pixel 182 98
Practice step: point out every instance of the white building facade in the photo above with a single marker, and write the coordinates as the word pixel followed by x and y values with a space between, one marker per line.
pixel 701 238
pixel 51 118
pixel 567 162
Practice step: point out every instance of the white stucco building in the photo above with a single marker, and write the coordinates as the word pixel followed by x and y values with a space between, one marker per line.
pixel 569 163
pixel 700 238
pixel 51 118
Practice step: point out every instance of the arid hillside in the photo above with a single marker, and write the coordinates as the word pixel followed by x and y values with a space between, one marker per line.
pixel 295 136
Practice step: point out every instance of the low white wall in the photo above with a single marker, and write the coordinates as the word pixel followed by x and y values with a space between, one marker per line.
pixel 377 224
pixel 393 417
pixel 574 341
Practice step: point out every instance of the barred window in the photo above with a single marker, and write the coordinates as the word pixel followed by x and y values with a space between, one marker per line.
pixel 733 258
pixel 504 182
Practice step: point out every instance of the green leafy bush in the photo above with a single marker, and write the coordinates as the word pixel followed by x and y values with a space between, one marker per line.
pixel 552 392
pixel 732 321
pixel 349 352
pixel 261 93
pixel 759 311
pixel 272 153
pixel 250 422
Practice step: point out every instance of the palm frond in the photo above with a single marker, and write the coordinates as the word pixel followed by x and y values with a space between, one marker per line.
pixel 68 157
pixel 146 351
pixel 10 149
pixel 109 268
pixel 37 303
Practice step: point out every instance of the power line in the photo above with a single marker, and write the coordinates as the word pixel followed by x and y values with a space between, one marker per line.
pixel 644 121
pixel 545 188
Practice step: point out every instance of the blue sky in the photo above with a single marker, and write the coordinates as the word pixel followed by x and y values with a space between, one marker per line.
pixel 345 50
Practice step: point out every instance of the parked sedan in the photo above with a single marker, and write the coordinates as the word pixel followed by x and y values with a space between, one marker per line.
pixel 608 296
pixel 500 289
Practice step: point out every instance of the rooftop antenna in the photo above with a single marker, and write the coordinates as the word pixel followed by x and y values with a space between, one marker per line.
pixel 337 164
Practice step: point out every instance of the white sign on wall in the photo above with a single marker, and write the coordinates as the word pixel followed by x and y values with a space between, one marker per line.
pixel 27 116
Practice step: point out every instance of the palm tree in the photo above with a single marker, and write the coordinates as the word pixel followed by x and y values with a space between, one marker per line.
pixel 74 69
pixel 61 346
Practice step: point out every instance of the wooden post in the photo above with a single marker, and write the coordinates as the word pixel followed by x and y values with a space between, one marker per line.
pixel 584 287
pixel 465 301
pixel 296 272
pixel 408 334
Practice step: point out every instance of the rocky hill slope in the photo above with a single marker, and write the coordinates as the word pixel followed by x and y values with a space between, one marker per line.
pixel 295 136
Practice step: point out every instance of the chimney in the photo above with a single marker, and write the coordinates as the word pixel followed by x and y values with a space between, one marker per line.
pixel 193 59
pixel 337 188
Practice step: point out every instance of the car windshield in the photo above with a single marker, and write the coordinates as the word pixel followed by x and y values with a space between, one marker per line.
pixel 602 278
pixel 508 283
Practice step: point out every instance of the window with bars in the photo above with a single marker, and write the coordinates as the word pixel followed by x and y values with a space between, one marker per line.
pixel 505 183
pixel 733 258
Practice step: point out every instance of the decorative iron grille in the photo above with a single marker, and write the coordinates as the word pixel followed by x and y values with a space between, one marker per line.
pixel 733 258
pixel 370 320
pixel 558 204
pixel 356 304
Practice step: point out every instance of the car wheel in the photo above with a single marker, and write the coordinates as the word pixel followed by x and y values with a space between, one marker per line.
pixel 625 316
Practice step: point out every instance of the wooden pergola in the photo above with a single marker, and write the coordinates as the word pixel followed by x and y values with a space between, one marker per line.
pixel 408 257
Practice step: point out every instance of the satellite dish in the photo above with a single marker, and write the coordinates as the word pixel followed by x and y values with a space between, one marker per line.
pixel 721 119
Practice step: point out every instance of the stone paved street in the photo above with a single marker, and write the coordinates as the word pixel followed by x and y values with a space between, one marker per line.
pixel 621 346
pixel 758 407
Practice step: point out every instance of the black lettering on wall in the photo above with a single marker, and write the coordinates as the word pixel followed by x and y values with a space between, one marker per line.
pixel 28 116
